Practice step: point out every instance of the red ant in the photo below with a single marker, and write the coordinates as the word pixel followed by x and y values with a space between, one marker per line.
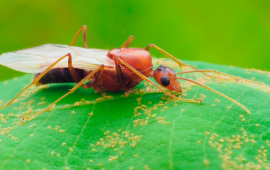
pixel 121 69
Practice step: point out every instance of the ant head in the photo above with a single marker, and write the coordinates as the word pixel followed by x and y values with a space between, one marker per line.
pixel 166 77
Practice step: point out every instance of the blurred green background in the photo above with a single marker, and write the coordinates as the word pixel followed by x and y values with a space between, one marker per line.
pixel 231 32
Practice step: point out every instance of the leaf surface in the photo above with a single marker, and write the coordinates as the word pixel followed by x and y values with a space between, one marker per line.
pixel 138 129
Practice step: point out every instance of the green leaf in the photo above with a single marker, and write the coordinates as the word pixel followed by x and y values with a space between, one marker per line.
pixel 139 129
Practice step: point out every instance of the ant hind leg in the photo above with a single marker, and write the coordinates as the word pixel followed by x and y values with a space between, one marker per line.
pixel 83 28
pixel 36 80
pixel 79 84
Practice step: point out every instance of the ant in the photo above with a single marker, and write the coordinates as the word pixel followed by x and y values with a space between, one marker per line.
pixel 118 69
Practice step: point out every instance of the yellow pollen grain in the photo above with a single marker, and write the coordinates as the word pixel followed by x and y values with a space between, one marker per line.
pixel 202 96
pixel 218 101
pixel 27 161
pixel 139 99
pixel 146 167
pixel 257 125
pixel 221 140
pixel 56 127
pixel 91 114
pixel 206 162
pixel 76 103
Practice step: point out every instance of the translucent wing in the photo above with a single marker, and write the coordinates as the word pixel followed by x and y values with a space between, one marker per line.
pixel 37 59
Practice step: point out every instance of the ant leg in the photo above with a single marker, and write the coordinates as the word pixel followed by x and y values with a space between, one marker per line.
pixel 151 82
pixel 223 95
pixel 128 41
pixel 83 28
pixel 224 74
pixel 120 75
pixel 70 91
pixel 99 77
pixel 36 80
pixel 181 64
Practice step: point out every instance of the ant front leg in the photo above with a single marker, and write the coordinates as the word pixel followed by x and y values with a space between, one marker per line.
pixel 151 82
pixel 235 78
pixel 181 64
pixel 127 43
pixel 83 28
pixel 36 80
pixel 221 94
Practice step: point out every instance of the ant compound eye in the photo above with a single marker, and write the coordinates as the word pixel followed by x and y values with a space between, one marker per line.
pixel 165 81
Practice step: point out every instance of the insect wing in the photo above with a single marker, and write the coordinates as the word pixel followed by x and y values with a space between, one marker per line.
pixel 90 59
pixel 37 59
